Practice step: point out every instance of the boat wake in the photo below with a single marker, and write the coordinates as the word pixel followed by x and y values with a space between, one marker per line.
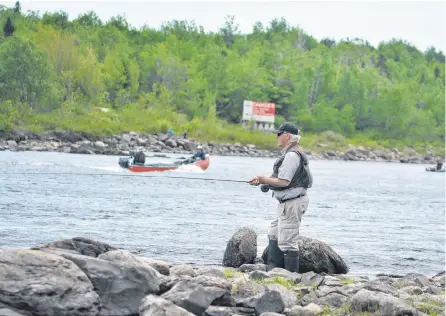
pixel 189 168
pixel 40 164
pixel 110 168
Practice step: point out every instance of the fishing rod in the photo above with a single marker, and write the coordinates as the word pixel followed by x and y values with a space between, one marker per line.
pixel 123 175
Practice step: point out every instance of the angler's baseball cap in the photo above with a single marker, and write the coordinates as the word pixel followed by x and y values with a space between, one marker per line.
pixel 287 127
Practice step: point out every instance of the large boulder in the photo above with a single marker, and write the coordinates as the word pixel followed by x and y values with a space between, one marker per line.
pixel 241 248
pixel 120 285
pixel 317 256
pixel 81 245
pixel 45 284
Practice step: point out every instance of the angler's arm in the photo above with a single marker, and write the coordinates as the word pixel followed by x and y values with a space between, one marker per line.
pixel 275 182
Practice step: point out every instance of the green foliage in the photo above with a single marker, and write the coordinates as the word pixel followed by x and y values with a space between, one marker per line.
pixel 183 78
pixel 25 75
pixel 8 28
pixel 347 280
pixel 279 280
pixel 231 273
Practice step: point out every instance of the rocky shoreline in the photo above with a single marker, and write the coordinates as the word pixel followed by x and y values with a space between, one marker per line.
pixel 83 143
pixel 80 276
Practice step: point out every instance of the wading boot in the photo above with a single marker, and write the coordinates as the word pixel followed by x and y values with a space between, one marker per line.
pixel 291 259
pixel 275 255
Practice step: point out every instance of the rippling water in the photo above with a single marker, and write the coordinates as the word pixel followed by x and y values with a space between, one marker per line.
pixel 380 217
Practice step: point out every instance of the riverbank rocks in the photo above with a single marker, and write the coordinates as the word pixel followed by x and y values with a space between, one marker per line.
pixel 83 143
pixel 80 276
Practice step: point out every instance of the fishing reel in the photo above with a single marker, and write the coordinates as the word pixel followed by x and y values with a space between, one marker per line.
pixel 264 188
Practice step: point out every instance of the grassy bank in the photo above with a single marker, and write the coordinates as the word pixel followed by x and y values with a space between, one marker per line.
pixel 159 120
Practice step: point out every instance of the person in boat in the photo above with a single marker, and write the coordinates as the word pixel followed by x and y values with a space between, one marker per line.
pixel 199 155
pixel 139 158
pixel 289 182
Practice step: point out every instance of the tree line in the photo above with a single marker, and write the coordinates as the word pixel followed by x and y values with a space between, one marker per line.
pixel 52 65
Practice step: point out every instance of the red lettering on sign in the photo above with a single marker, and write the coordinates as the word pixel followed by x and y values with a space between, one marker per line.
pixel 263 108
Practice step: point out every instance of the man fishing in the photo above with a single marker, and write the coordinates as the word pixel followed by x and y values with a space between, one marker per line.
pixel 289 182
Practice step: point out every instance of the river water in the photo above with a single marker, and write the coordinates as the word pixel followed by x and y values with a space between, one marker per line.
pixel 379 217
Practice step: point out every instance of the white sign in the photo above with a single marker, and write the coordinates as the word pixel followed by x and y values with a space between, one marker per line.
pixel 263 112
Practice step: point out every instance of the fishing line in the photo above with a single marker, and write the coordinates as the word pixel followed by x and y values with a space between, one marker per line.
pixel 122 175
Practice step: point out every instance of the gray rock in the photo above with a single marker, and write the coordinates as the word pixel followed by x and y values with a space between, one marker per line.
pixel 182 270
pixel 8 312
pixel 311 297
pixel 334 299
pixel 142 141
pixel 258 275
pixel 225 300
pixel 317 256
pixel 312 279
pixel 429 299
pixel 45 284
pixel 211 272
pixel 439 279
pixel 247 267
pixel 192 296
pixel 228 311
pixel 379 286
pixel 167 283
pixel 289 297
pixel 157 306
pixel 81 245
pixel 241 248
pixel 420 279
pixel 159 265
pixel 412 290
pixel 299 311
pixel 290 276
pixel 309 310
pixel 209 281
pixel 189 146
pixel 129 258
pixel 100 144
pixel 271 314
pixel 432 289
pixel 121 286
pixel 171 143
pixel 243 289
pixel 268 301
pixel 382 303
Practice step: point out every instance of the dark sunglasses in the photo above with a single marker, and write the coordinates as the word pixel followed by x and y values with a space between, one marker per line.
pixel 280 133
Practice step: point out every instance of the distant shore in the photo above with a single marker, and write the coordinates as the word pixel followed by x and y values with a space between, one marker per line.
pixel 82 143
